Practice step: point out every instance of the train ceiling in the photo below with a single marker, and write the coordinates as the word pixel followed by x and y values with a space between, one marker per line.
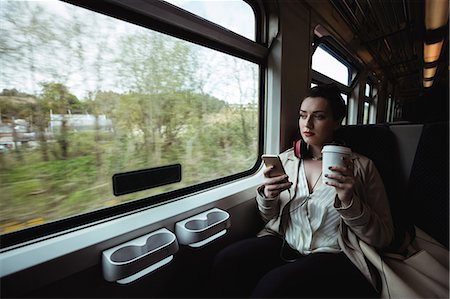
pixel 393 33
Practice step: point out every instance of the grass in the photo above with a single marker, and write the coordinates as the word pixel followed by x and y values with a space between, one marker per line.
pixel 33 191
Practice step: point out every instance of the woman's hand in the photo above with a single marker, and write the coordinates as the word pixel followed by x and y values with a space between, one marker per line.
pixel 273 186
pixel 343 181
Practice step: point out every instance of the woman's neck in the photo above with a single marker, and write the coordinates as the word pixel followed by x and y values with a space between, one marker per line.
pixel 315 152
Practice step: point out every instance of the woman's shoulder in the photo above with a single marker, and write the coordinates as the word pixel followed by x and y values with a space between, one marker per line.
pixel 287 154
pixel 362 161
pixel 359 156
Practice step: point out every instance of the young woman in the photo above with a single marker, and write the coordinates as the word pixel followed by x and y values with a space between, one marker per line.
pixel 309 246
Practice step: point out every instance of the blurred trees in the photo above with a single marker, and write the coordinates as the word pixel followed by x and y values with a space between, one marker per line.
pixel 56 98
pixel 155 90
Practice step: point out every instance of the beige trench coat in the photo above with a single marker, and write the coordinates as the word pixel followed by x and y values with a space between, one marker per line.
pixel 367 219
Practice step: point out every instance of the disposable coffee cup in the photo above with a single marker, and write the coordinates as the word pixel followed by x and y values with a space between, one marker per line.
pixel 332 156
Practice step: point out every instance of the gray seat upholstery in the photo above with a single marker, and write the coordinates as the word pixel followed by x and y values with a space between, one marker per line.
pixel 378 143
pixel 428 187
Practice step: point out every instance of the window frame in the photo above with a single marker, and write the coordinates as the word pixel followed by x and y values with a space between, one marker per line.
pixel 331 46
pixel 171 20
pixel 369 109
pixel 370 85
pixel 369 100
pixel 342 55
pixel 390 109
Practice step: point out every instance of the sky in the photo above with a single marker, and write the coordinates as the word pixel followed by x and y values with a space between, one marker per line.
pixel 234 15
pixel 82 77
pixel 218 68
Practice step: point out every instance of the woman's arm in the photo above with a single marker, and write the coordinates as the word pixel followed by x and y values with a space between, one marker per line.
pixel 268 194
pixel 367 213
pixel 268 207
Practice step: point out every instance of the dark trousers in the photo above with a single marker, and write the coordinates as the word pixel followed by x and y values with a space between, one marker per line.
pixel 256 268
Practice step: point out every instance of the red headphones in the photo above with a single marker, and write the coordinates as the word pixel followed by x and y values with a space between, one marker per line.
pixel 300 148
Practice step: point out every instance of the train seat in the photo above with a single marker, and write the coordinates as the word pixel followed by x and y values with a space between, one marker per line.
pixel 428 185
pixel 407 135
pixel 379 143
pixel 414 170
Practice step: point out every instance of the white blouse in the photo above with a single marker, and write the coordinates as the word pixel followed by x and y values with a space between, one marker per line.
pixel 312 222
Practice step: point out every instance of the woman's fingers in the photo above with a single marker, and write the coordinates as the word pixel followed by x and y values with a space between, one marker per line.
pixel 343 180
pixel 281 186
pixel 274 190
pixel 343 170
pixel 267 170
pixel 340 177
pixel 273 186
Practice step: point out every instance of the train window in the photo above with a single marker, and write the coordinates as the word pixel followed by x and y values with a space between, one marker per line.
pixel 368 90
pixel 328 63
pixel 368 108
pixel 366 112
pixel 345 97
pixel 236 16
pixel 390 109
pixel 85 96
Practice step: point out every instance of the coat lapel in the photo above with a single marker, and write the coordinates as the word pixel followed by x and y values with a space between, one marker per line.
pixel 291 168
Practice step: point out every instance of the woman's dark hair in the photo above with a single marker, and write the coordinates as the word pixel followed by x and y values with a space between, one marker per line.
pixel 332 94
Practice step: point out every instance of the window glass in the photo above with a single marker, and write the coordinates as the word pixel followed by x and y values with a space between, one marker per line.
pixel 388 109
pixel 345 97
pixel 366 112
pixel 367 90
pixel 85 96
pixel 235 15
pixel 325 62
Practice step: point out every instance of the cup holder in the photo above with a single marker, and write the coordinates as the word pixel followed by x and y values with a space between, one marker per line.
pixel 202 228
pixel 131 260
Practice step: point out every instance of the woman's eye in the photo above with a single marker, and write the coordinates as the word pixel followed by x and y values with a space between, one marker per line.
pixel 303 116
pixel 319 116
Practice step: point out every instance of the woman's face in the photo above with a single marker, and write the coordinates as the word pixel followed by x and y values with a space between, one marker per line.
pixel 316 121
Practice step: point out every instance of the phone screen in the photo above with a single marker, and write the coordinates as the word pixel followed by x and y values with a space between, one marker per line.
pixel 274 160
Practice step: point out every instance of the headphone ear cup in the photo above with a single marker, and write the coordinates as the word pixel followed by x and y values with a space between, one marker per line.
pixel 297 152
pixel 300 148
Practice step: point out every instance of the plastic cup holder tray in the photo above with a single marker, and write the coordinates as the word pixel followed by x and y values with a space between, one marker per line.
pixel 203 226
pixel 130 258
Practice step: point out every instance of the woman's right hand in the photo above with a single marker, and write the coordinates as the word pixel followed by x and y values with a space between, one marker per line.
pixel 273 186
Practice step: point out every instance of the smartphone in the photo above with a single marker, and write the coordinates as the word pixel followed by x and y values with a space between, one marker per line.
pixel 274 160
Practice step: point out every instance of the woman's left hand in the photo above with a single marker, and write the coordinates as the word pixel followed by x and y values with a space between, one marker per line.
pixel 343 180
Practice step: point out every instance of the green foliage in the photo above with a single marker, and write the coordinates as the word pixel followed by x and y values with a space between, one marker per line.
pixel 204 134
pixel 56 97
pixel 16 106
pixel 162 116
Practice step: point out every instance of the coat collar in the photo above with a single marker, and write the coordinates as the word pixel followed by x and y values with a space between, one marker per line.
pixel 292 167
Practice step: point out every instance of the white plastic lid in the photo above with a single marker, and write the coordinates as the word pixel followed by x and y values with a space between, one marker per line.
pixel 337 149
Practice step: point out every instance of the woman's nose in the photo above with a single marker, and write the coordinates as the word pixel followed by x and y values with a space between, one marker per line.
pixel 308 122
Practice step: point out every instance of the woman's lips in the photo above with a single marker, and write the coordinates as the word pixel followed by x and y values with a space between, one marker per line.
pixel 308 134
